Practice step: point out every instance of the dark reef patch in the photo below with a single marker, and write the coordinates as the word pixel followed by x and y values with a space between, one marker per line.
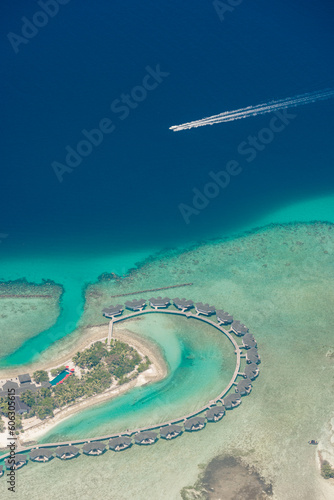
pixel 228 478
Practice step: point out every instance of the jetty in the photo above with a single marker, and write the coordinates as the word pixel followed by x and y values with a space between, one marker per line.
pixel 212 411
pixel 151 290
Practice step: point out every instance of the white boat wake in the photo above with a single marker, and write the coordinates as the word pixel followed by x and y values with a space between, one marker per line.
pixel 259 109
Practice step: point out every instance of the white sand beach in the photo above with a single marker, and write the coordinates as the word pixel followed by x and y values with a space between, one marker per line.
pixel 34 428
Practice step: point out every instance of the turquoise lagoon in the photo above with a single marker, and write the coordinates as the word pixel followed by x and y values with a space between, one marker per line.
pixel 274 279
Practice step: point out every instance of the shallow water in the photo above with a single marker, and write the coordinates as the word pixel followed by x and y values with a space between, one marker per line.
pixel 277 281
pixel 73 271
pixel 201 363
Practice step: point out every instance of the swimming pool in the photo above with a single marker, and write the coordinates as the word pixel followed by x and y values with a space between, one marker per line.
pixel 61 377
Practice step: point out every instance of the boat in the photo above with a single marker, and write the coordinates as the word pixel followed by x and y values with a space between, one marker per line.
pixel 313 441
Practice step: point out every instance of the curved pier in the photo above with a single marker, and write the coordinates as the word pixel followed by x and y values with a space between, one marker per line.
pixel 203 312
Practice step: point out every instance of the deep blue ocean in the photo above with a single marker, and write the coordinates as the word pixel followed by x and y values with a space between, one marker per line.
pixel 126 192
pixel 169 62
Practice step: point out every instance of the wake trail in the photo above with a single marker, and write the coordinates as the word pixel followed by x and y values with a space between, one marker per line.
pixel 259 109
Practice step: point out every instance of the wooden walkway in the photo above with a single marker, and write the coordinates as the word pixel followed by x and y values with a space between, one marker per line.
pixel 218 399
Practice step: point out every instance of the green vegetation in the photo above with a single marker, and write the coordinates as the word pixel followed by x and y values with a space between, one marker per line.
pixel 144 365
pixel 99 367
pixel 118 361
pixel 18 422
pixel 40 376
pixel 326 470
pixel 56 371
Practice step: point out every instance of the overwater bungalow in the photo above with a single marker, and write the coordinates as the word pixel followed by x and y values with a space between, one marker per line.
pixel 110 312
pixel 239 328
pixel 135 305
pixel 204 309
pixel 249 341
pixel 252 355
pixel 1 471
pixel 251 371
pixel 244 387
pixel 96 448
pixel 159 302
pixel 231 401
pixel 215 413
pixel 224 318
pixel 183 304
pixel 20 461
pixel 120 443
pixel 146 437
pixel 67 452
pixel 194 424
pixel 25 378
pixel 41 455
pixel 171 431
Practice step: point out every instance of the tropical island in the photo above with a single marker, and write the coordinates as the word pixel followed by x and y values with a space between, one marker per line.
pixel 100 371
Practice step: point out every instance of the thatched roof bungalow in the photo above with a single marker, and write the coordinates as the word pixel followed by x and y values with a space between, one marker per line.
pixel 183 304
pixel 41 455
pixel 194 424
pixel 120 443
pixel 17 462
pixel 146 438
pixel 67 452
pixel 251 371
pixel 231 401
pixel 215 413
pixel 171 431
pixel 96 448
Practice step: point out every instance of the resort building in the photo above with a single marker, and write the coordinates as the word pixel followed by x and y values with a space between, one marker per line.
pixel 204 309
pixel 1 471
pixel 183 304
pixel 249 341
pixel 25 378
pixel 41 455
pixel 224 318
pixel 135 305
pixel 231 401
pixel 215 413
pixel 96 448
pixel 171 431
pixel 10 385
pixel 45 384
pixel 67 452
pixel 110 312
pixel 21 407
pixel 28 387
pixel 25 386
pixel 244 387
pixel 252 356
pixel 251 371
pixel 159 302
pixel 120 443
pixel 238 328
pixel 194 424
pixel 20 461
pixel 146 437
